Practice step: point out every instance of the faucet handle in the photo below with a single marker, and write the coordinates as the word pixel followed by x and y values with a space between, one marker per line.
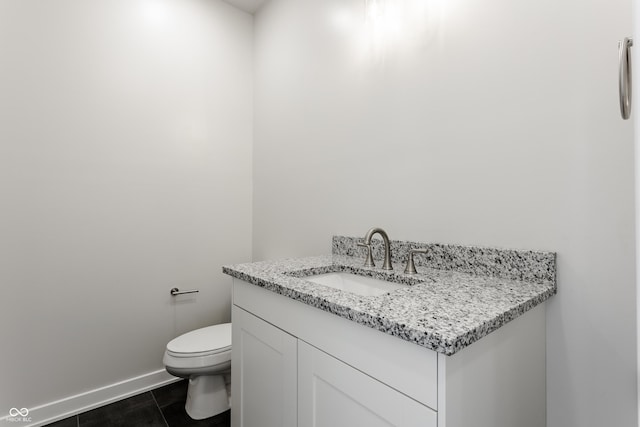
pixel 368 262
pixel 411 267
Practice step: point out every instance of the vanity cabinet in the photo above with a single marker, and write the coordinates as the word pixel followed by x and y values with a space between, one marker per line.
pixel 296 365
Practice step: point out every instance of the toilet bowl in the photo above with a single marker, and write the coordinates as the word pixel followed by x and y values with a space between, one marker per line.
pixel 204 357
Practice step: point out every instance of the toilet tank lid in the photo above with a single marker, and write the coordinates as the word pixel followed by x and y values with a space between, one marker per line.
pixel 211 338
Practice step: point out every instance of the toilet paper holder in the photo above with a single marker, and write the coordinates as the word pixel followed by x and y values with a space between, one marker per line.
pixel 176 291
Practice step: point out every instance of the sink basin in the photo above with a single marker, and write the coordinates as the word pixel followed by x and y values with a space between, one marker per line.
pixel 365 286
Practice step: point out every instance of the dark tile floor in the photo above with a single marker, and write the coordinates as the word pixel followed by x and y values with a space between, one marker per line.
pixel 163 407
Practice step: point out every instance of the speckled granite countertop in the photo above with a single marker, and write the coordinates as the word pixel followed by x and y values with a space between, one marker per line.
pixel 459 295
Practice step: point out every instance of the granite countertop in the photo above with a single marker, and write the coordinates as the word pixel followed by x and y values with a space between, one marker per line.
pixel 472 292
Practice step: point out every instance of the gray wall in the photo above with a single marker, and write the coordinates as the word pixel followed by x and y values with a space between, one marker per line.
pixel 125 170
pixel 484 123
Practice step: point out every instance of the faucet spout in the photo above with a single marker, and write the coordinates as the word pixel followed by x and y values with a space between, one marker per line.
pixel 387 247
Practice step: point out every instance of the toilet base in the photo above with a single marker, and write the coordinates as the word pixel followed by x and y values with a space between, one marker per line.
pixel 207 396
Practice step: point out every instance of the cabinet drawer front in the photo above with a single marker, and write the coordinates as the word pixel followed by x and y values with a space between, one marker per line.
pixel 406 367
pixel 333 394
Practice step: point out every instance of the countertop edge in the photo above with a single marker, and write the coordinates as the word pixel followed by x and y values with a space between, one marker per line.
pixel 432 341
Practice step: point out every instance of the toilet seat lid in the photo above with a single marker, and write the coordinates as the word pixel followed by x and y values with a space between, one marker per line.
pixel 212 339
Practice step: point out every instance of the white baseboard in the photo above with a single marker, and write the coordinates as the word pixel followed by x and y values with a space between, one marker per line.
pixel 73 405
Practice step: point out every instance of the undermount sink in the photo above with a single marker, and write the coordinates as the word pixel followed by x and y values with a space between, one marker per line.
pixel 360 285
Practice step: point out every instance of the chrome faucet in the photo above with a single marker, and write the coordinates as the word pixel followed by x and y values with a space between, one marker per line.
pixel 387 248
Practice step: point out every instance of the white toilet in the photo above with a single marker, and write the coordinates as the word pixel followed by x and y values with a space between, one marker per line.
pixel 203 356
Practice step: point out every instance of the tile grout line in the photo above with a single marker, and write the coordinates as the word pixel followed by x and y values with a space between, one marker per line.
pixel 78 420
pixel 159 409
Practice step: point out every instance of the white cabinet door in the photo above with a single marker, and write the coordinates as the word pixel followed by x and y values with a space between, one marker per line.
pixel 333 394
pixel 263 373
